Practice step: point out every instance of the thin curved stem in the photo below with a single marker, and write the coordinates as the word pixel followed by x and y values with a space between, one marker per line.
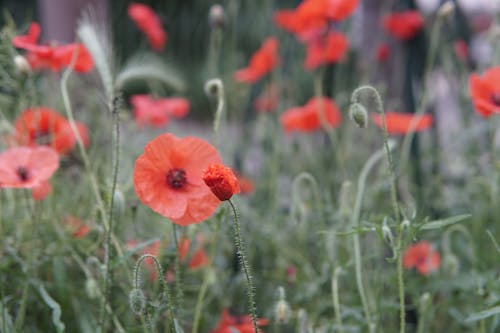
pixel 246 267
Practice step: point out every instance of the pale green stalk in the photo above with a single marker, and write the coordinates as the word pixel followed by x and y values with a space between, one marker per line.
pixel 335 296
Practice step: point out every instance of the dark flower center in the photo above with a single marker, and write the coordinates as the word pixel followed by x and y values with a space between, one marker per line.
pixel 495 98
pixel 176 178
pixel 23 173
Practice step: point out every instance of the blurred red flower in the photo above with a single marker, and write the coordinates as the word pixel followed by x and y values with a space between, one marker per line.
pixel 149 23
pixel 246 184
pixel 27 167
pixel 199 257
pixel 156 112
pixel 326 50
pixel 382 52
pixel 399 123
pixel 307 118
pixel 267 100
pixel 77 227
pixel 221 181
pixel 168 178
pixel 312 16
pixel 242 324
pixel 422 257
pixel 263 61
pixel 461 49
pixel 403 25
pixel 53 57
pixel 44 126
pixel 485 91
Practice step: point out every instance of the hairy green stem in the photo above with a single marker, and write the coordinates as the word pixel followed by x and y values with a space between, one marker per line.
pixel 177 271
pixel 335 296
pixel 246 267
pixel 394 199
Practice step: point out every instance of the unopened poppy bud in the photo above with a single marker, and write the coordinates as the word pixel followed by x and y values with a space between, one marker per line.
pixel 424 301
pixel 137 301
pixel 446 9
pixel 221 180
pixel 216 16
pixel 213 87
pixel 22 64
pixel 450 265
pixel 92 288
pixel 359 115
pixel 119 202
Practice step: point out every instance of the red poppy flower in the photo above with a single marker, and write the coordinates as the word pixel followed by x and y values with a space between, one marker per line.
pixel 52 57
pixel 77 227
pixel 403 25
pixel 400 123
pixel 168 178
pixel 268 99
pixel 242 324
pixel 45 126
pixel 382 52
pixel 149 23
pixel 422 257
pixel 221 180
pixel 326 50
pixel 156 112
pixel 312 16
pixel 307 118
pixel 485 92
pixel 261 63
pixel 27 167
pixel 41 191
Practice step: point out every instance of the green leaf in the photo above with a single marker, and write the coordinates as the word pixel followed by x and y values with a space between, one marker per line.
pixel 484 314
pixel 437 224
pixel 9 325
pixel 56 309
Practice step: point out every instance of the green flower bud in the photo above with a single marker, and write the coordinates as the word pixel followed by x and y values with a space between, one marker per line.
pixel 359 115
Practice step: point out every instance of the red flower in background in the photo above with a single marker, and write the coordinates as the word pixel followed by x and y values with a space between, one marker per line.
pixel 267 100
pixel 326 50
pixel 168 178
pixel 485 92
pixel 461 50
pixel 422 257
pixel 221 180
pixel 199 257
pixel 242 324
pixel 312 16
pixel 41 191
pixel 400 123
pixel 77 227
pixel 27 167
pixel 382 52
pixel 149 23
pixel 44 126
pixel 157 112
pixel 246 184
pixel 261 63
pixel 403 25
pixel 54 57
pixel 307 118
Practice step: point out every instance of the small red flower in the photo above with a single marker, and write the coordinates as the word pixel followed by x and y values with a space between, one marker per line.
pixel 382 52
pixel 44 126
pixel 41 191
pixel 221 181
pixel 422 257
pixel 400 123
pixel 242 324
pixel 168 178
pixel 261 63
pixel 485 92
pixel 403 25
pixel 149 23
pixel 27 167
pixel 77 227
pixel 268 99
pixel 157 112
pixel 307 118
pixel 54 57
pixel 326 50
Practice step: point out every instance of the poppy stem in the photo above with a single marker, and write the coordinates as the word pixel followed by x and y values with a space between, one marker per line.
pixel 335 296
pixel 395 205
pixel 215 88
pixel 177 270
pixel 244 264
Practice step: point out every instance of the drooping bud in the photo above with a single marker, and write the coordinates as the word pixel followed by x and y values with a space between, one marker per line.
pixel 446 9
pixel 216 16
pixel 450 264
pixel 22 64
pixel 137 301
pixel 359 115
pixel 213 88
